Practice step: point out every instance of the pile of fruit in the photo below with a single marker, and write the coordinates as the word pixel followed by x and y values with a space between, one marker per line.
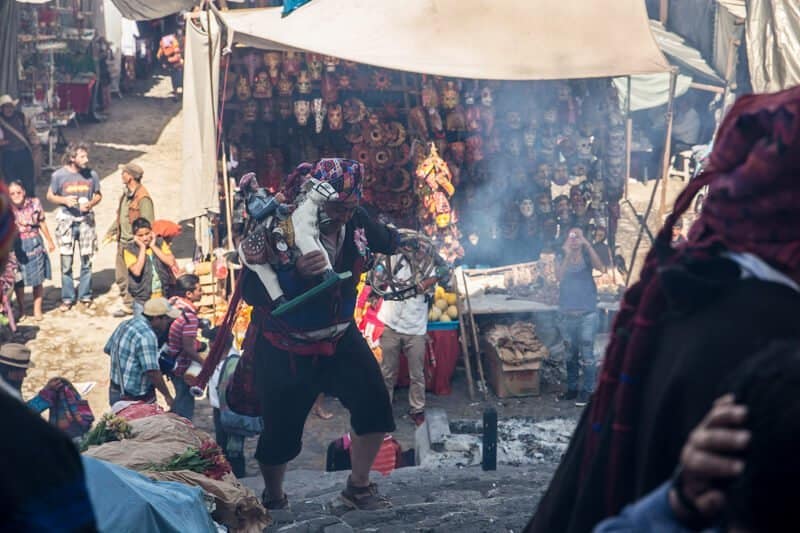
pixel 444 306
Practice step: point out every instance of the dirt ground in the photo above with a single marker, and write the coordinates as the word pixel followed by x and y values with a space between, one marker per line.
pixel 146 128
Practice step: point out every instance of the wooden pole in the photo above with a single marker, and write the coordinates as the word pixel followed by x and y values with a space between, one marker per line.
pixel 663 12
pixel 462 316
pixel 664 178
pixel 475 341
pixel 228 211
pixel 628 137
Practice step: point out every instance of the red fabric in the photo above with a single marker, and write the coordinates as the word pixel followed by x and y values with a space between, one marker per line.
pixel 753 205
pixel 441 355
pixel 140 410
pixel 166 228
pixel 386 460
pixel 75 95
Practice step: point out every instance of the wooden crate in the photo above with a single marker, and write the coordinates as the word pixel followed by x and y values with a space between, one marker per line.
pixel 510 381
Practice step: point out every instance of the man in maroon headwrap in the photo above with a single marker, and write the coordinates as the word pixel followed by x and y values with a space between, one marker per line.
pixel 316 347
pixel 697 312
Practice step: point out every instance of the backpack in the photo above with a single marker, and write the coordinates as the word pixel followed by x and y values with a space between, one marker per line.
pixel 233 422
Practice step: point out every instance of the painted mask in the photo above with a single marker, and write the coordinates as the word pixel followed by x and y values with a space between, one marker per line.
pixel 575 193
pixel 487 99
pixel 381 79
pixel 315 66
pixel 514 146
pixel 318 107
pixel 344 80
pixel 598 192
pixel 547 148
pixel 267 111
pixel 457 150
pixel 430 98
pixel 335 119
pixel 529 138
pixel 526 208
pixel 562 207
pixel 329 88
pixel 450 97
pixel 250 111
pixel 243 89
pixel 262 88
pixel 291 63
pixel 561 174
pixel 285 108
pixel 285 85
pixel 544 204
pixel 303 82
pixel 550 116
pixel 615 120
pixel 302 110
pixel 564 92
pixel 474 152
pixel 456 120
pixel 273 61
pixel 514 120
pixel 473 116
pixel 585 147
pixel 469 98
pixel 579 170
pixel 443 220
pixel 330 63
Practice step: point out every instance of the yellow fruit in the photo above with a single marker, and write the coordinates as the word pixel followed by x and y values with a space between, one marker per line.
pixel 452 312
pixel 450 297
pixel 444 318
pixel 441 304
pixel 438 293
pixel 435 314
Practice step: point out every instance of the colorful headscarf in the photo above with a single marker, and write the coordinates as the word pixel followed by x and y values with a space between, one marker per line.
pixel 753 206
pixel 345 175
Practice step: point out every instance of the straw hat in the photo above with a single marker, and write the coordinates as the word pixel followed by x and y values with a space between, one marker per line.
pixel 16 355
pixel 6 99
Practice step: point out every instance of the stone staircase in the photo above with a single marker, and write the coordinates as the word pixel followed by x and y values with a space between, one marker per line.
pixel 424 499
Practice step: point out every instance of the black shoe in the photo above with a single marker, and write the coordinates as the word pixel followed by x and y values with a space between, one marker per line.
pixel 568 396
pixel 274 505
pixel 583 398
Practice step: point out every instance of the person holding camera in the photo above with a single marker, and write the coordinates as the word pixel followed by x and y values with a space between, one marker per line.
pixel 577 312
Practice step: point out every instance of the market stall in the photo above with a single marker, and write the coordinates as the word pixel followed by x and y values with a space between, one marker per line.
pixel 489 150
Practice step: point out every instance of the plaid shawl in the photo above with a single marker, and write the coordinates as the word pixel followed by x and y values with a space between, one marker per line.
pixel 753 205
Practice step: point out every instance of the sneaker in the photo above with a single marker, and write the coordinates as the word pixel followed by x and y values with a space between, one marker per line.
pixel 274 505
pixel 583 398
pixel 364 498
pixel 568 396
pixel 417 418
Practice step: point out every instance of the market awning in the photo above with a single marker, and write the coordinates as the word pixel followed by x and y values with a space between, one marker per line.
pixel 736 8
pixel 480 39
pixel 689 60
pixel 149 9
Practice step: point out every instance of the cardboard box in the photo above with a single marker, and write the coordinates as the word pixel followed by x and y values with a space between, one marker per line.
pixel 509 381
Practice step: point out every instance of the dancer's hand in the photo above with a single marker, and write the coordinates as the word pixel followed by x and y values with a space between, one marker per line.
pixel 312 264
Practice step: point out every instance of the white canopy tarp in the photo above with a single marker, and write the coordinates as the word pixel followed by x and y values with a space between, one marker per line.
pixel 649 90
pixel 200 95
pixel 152 9
pixel 480 39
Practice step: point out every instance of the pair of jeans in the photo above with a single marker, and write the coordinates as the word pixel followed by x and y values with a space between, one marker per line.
pixel 184 401
pixel 579 331
pixel 85 280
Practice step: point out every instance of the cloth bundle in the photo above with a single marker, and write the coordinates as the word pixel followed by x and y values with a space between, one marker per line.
pixel 516 344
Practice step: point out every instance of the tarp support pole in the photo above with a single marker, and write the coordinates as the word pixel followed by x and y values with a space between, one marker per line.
pixel 628 137
pixel 707 87
pixel 663 12
pixel 664 178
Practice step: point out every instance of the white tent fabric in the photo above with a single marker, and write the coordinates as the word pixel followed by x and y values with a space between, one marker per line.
pixel 649 90
pixel 200 90
pixel 481 39
pixel 773 44
pixel 684 56
pixel 728 26
pixel 152 9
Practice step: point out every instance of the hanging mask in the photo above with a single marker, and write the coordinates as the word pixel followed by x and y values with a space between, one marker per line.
pixel 315 66
pixel 250 111
pixel 291 63
pixel 526 208
pixel 544 204
pixel 381 79
pixel 456 120
pixel 450 96
pixel 585 148
pixel 469 98
pixel 430 98
pixel 529 138
pixel 273 61
pixel 335 117
pixel 302 110
pixel 564 92
pixel 285 85
pixel 318 107
pixel 514 146
pixel 330 63
pixel 262 88
pixel 473 117
pixel 243 89
pixel 550 116
pixel 457 151
pixel 345 81
pixel 474 152
pixel 561 174
pixel 487 99
pixel 598 192
pixel 514 120
pixel 303 82
pixel 579 170
pixel 285 108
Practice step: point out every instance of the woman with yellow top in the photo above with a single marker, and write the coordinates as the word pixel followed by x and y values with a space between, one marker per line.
pixel 150 262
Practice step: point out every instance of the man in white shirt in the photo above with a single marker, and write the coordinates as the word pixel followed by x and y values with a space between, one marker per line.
pixel 406 326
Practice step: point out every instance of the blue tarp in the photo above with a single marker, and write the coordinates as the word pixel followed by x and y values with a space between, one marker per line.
pixel 126 501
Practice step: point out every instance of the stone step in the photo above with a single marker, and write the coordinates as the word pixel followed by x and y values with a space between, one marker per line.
pixel 423 499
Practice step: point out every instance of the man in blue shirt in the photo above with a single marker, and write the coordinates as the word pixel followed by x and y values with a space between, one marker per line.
pixel 133 347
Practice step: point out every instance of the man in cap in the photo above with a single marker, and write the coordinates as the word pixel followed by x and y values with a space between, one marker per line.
pixel 15 360
pixel 133 348
pixel 317 347
pixel 20 149
pixel 135 202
